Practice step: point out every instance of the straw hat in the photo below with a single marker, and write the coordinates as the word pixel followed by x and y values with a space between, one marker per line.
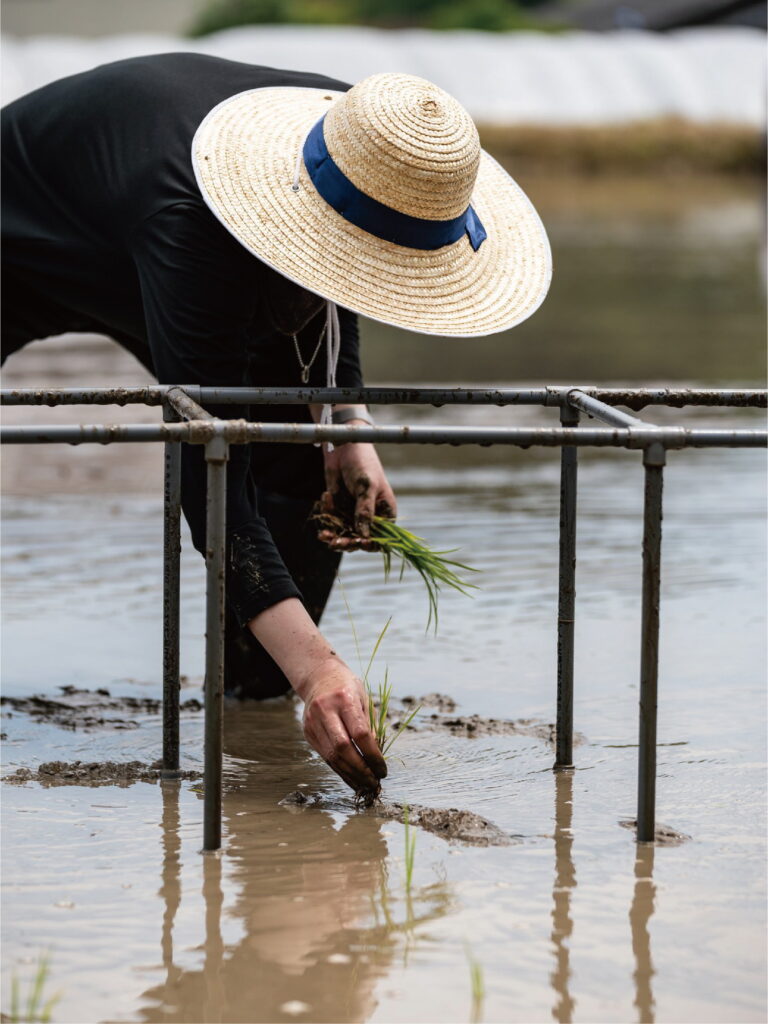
pixel 379 199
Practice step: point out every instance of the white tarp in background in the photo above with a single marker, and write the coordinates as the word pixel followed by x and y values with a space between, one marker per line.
pixel 703 75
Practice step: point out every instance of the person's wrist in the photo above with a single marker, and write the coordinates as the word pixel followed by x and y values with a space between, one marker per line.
pixel 353 414
pixel 308 680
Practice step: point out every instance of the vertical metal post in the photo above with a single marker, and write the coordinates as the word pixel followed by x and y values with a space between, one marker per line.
pixel 569 417
pixel 216 456
pixel 654 459
pixel 171 584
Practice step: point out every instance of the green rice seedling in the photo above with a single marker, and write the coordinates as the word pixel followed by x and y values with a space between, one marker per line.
pixel 36 1010
pixel 410 850
pixel 478 986
pixel 434 568
pixel 378 702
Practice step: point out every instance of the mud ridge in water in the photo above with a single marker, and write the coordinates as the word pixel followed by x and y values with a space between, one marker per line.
pixel 450 823
pixel 93 773
pixel 443 719
pixel 89 709
pixel 663 836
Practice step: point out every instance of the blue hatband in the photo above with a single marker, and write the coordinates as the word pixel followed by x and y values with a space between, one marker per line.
pixel 376 218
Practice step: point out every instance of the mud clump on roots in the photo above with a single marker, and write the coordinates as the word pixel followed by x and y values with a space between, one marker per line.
pixel 93 773
pixel 368 797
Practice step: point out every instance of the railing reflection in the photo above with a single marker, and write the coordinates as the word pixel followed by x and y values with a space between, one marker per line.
pixel 320 921
pixel 564 884
pixel 170 879
pixel 640 913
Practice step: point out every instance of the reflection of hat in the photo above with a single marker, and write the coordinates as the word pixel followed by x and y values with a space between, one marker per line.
pixel 379 199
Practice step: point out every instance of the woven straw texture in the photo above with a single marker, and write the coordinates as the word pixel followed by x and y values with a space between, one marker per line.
pixel 407 144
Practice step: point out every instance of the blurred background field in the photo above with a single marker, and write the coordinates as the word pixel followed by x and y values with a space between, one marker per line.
pixel 637 129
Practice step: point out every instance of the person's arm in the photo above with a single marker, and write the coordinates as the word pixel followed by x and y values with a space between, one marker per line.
pixel 336 721
pixel 197 292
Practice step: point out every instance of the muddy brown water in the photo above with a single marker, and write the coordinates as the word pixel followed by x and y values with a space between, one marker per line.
pixel 305 914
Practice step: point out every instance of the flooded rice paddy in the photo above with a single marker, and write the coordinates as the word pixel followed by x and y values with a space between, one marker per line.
pixel 306 914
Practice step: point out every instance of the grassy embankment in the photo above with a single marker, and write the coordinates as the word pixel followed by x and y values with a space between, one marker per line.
pixel 663 146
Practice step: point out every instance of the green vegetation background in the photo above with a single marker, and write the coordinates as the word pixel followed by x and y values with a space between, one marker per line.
pixel 488 15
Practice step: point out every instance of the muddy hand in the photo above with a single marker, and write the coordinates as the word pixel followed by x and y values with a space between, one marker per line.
pixel 357 489
pixel 337 726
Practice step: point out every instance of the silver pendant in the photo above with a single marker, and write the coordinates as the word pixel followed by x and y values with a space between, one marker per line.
pixel 305 375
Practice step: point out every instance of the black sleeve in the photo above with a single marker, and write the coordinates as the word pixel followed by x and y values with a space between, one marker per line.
pixel 199 295
pixel 348 372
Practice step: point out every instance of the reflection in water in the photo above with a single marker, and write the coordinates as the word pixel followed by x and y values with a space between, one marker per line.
pixel 214 946
pixel 639 915
pixel 170 882
pixel 562 923
pixel 320 923
pixel 565 882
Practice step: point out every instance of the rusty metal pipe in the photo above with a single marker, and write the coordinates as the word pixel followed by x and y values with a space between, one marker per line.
pixel 634 398
pixel 654 459
pixel 240 432
pixel 595 407
pixel 186 406
pixel 216 456
pixel 171 587
pixel 154 394
pixel 566 605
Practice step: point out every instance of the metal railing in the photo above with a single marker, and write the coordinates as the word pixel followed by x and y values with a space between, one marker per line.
pixel 185 420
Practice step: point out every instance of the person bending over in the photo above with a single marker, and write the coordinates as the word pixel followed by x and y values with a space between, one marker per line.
pixel 226 223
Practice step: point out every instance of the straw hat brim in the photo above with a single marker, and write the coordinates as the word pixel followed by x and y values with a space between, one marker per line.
pixel 244 154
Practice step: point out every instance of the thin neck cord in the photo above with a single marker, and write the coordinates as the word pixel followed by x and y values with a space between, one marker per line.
pixel 333 347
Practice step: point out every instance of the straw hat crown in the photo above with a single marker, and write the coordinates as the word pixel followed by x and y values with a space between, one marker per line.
pixel 406 143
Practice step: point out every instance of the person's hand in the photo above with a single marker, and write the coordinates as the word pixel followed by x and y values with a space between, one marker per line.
pixel 356 490
pixel 337 726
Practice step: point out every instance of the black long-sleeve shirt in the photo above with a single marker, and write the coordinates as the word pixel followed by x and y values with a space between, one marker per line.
pixel 102 216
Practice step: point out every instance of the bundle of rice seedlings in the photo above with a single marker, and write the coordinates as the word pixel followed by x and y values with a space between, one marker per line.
pixel 395 541
pixel 434 568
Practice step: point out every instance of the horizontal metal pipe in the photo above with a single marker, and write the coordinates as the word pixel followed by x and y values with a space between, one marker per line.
pixel 152 395
pixel 635 398
pixel 638 398
pixel 186 406
pixel 241 432
pixel 377 396
pixel 551 395
pixel 594 407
